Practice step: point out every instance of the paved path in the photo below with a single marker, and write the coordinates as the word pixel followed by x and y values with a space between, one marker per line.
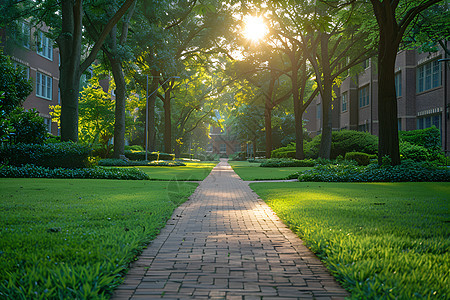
pixel 225 243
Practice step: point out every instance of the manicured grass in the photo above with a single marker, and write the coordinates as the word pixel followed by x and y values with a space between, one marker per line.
pixel 193 171
pixel 381 240
pixel 252 171
pixel 73 238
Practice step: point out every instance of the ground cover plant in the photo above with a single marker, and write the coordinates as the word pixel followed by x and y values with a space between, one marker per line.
pixel 380 240
pixel 253 171
pixel 345 171
pixel 193 171
pixel 72 239
pixel 32 171
pixel 123 162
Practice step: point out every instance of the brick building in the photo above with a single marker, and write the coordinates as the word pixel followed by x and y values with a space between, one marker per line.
pixel 421 83
pixel 222 142
pixel 34 52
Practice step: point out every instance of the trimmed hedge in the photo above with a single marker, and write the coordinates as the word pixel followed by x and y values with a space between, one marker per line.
pixel 31 171
pixel 429 138
pixel 140 155
pixel 407 171
pixel 59 155
pixel 363 159
pixel 278 163
pixel 112 162
pixel 284 152
pixel 344 141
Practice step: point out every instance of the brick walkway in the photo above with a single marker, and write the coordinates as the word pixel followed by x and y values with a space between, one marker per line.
pixel 225 243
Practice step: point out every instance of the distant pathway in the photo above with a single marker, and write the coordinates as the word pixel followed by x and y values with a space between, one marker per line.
pixel 225 243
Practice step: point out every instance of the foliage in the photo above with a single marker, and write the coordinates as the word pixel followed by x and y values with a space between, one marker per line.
pixel 380 240
pixel 122 162
pixel 32 171
pixel 140 155
pixel 408 170
pixel 75 238
pixel 253 171
pixel 284 152
pixel 29 127
pixel 278 163
pixel 344 141
pixel 363 159
pixel 135 148
pixel 14 87
pixel 414 152
pixel 429 138
pixel 60 155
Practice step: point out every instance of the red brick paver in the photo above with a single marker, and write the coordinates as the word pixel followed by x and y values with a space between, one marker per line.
pixel 225 243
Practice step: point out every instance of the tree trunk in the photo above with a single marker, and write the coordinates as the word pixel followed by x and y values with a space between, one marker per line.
pixel 69 44
pixel 298 112
pixel 119 125
pixel 327 125
pixel 268 126
pixel 327 97
pixel 388 144
pixel 167 122
pixel 151 126
pixel 177 150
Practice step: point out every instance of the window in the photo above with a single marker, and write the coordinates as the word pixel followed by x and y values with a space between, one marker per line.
pixel 44 46
pixel 398 84
pixel 209 148
pixel 24 69
pixel 399 123
pixel 25 33
pixel 366 63
pixel 428 121
pixel 48 124
pixel 223 148
pixel 344 101
pixel 43 86
pixel 428 76
pixel 237 148
pixel 363 95
pixel 363 127
pixel 319 111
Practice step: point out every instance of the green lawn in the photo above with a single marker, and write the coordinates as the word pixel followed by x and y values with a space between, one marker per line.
pixel 252 171
pixel 381 240
pixel 193 171
pixel 72 238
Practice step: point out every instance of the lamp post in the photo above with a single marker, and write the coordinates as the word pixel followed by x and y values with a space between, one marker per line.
pixel 146 110
pixel 445 60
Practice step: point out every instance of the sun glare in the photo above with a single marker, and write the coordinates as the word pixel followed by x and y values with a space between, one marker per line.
pixel 255 29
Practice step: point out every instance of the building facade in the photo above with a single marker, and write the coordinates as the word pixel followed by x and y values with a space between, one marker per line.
pixel 35 54
pixel 422 86
pixel 222 142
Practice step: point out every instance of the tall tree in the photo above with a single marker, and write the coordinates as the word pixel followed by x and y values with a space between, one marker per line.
pixel 393 18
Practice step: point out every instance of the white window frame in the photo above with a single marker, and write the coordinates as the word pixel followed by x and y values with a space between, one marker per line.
pixel 344 99
pixel 398 84
pixel 24 68
pixel 223 148
pixel 44 46
pixel 25 31
pixel 44 86
pixel 428 76
pixel 363 96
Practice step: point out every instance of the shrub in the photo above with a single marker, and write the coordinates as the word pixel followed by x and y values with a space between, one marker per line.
pixel 120 162
pixel 29 127
pixel 284 152
pixel 362 159
pixel 135 148
pixel 62 155
pixel 31 171
pixel 278 163
pixel 429 138
pixel 408 170
pixel 414 152
pixel 140 155
pixel 344 141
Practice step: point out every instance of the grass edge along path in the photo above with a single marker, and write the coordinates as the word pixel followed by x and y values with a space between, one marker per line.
pixel 74 238
pixel 380 240
pixel 252 171
pixel 193 171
